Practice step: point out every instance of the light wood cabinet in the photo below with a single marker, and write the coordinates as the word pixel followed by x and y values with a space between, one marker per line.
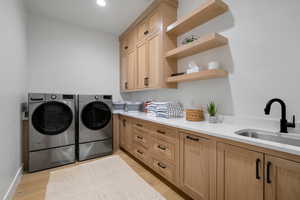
pixel 155 23
pixel 198 166
pixel 132 70
pixel 143 30
pixel 125 134
pixel 155 52
pixel 124 72
pixel 143 65
pixel 282 180
pixel 207 168
pixel 239 173
pixel 148 67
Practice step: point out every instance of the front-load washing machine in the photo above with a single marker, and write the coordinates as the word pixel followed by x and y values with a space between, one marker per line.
pixel 51 130
pixel 94 126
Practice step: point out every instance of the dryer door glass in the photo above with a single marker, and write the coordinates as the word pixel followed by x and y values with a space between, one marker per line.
pixel 52 118
pixel 96 115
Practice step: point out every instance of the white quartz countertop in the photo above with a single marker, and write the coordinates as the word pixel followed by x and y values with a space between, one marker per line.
pixel 221 130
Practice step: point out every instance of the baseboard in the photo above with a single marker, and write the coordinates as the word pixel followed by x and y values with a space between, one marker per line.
pixel 13 186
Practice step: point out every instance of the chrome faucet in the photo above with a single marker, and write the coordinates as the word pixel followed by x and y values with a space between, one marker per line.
pixel 284 124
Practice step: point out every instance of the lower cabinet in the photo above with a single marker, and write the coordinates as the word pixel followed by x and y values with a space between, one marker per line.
pixel 282 180
pixel 206 169
pixel 198 166
pixel 125 134
pixel 239 173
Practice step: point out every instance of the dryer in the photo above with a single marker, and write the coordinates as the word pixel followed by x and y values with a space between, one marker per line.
pixel 95 130
pixel 51 130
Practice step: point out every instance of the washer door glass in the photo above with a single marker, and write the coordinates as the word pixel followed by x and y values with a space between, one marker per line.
pixel 52 118
pixel 96 115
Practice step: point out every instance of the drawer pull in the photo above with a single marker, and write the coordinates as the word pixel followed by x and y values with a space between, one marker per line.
pixel 257 169
pixel 192 138
pixel 140 152
pixel 269 164
pixel 162 147
pixel 139 137
pixel 161 132
pixel 139 125
pixel 161 165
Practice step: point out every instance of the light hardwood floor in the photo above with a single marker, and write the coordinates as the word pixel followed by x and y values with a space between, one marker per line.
pixel 33 186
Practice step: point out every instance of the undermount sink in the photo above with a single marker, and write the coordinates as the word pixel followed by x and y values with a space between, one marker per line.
pixel 283 138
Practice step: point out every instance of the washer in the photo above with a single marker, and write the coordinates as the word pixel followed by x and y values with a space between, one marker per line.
pixel 51 130
pixel 95 128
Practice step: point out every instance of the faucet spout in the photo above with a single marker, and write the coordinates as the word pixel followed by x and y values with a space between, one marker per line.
pixel 284 124
pixel 282 104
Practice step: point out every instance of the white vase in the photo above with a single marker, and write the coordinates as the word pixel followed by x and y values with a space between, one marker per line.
pixel 213 119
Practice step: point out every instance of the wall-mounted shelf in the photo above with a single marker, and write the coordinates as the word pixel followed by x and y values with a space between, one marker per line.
pixel 204 43
pixel 201 15
pixel 203 75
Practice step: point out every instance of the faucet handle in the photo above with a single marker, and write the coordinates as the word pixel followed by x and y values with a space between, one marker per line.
pixel 293 124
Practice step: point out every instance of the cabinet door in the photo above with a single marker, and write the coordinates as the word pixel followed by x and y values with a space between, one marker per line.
pixel 124 72
pixel 198 167
pixel 124 45
pixel 142 30
pixel 142 54
pixel 125 134
pixel 122 132
pixel 132 39
pixel 239 173
pixel 155 23
pixel 132 72
pixel 282 179
pixel 155 52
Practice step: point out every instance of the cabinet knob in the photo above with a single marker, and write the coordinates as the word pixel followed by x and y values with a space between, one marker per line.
pixel 161 165
pixel 126 47
pixel 146 32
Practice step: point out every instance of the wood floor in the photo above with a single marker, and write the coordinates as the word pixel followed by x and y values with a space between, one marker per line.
pixel 33 186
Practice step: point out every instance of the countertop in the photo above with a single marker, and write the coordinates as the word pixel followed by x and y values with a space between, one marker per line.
pixel 221 130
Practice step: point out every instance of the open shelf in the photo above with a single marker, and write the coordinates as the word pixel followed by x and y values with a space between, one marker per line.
pixel 206 12
pixel 204 43
pixel 203 75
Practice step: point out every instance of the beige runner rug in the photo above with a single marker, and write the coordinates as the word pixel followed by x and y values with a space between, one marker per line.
pixel 106 179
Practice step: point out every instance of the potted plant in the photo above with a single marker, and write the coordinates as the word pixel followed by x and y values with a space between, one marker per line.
pixel 212 111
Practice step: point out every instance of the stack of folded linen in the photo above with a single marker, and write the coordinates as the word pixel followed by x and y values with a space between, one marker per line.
pixel 166 109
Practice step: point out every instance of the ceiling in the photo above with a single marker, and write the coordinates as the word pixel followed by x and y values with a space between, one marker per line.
pixel 114 18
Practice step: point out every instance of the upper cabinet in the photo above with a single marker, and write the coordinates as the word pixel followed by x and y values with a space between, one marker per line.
pixel 142 48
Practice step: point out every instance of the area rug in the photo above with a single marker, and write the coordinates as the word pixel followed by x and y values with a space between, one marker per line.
pixel 105 179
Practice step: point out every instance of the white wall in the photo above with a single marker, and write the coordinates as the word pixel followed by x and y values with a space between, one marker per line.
pixel 12 88
pixel 262 57
pixel 66 58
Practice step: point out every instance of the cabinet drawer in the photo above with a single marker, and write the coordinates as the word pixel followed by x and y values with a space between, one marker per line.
pixel 141 153
pixel 166 134
pixel 165 169
pixel 165 150
pixel 141 138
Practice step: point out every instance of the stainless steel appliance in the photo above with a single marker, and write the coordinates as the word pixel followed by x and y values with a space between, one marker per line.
pixel 95 126
pixel 51 130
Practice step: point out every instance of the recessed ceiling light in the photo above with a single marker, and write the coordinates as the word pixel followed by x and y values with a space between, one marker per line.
pixel 101 3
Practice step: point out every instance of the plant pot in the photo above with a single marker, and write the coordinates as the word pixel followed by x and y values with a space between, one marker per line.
pixel 213 119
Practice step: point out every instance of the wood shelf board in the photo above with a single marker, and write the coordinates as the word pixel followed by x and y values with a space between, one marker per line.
pixel 204 43
pixel 206 12
pixel 203 75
